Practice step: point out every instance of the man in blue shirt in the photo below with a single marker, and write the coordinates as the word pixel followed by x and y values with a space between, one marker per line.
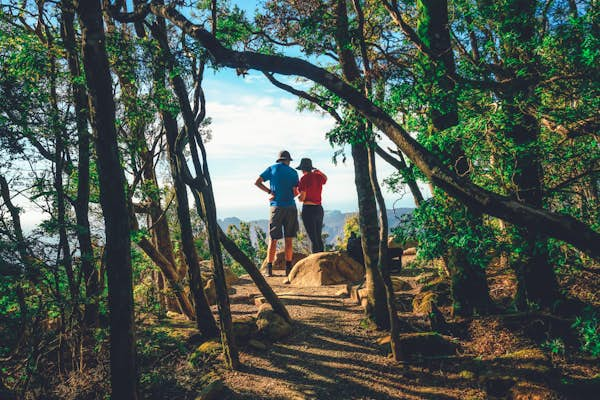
pixel 283 219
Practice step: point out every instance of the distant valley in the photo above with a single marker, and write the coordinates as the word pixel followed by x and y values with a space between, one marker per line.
pixel 333 221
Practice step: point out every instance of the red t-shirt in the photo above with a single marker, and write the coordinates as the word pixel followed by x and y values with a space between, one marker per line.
pixel 312 183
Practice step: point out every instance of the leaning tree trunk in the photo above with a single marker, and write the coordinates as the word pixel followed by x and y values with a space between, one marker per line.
pixel 113 201
pixel 468 281
pixel 259 280
pixel 202 185
pixel 205 320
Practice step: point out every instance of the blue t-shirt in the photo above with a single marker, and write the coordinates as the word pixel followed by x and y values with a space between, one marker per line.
pixel 283 179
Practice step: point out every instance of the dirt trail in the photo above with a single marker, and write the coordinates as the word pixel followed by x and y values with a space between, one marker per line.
pixel 330 355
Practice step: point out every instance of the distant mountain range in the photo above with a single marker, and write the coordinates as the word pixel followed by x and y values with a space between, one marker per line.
pixel 333 222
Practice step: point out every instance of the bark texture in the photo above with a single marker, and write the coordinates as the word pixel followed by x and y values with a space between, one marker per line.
pixel 113 201
pixel 469 285
pixel 81 204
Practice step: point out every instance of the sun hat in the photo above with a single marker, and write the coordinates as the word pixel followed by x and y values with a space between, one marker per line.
pixel 305 165
pixel 284 155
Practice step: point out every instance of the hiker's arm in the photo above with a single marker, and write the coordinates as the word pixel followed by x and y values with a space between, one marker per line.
pixel 302 196
pixel 323 176
pixel 259 184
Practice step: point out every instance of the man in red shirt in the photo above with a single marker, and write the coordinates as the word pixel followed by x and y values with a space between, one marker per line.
pixel 310 188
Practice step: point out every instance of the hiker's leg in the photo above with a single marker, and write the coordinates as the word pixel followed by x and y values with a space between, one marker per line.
pixel 289 248
pixel 309 226
pixel 275 232
pixel 319 229
pixel 272 250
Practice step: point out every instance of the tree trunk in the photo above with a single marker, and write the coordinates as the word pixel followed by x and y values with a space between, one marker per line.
pixel 383 260
pixel 113 202
pixel 64 249
pixel 205 320
pixel 80 101
pixel 259 280
pixel 369 231
pixel 376 308
pixel 469 286
pixel 204 317
pixel 202 185
pixel 536 281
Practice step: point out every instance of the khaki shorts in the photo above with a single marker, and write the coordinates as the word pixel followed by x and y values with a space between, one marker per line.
pixel 283 220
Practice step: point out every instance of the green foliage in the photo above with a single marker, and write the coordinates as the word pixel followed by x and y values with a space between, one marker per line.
pixel 555 346
pixel 242 237
pixel 438 227
pixel 351 225
pixel 261 244
pixel 588 327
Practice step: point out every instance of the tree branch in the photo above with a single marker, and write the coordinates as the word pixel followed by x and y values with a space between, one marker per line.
pixel 562 227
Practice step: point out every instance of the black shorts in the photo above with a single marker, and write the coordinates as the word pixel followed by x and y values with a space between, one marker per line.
pixel 283 221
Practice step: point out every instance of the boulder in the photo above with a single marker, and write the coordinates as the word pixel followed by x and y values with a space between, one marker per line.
pixel 400 284
pixel 244 328
pixel 270 324
pixel 326 268
pixel 206 270
pixel 279 262
pixel 393 243
pixel 411 251
pixel 210 291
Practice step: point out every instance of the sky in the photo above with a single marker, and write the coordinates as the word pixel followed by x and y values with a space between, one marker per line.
pixel 251 122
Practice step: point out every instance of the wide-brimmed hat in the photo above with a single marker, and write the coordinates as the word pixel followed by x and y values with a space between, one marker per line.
pixel 305 165
pixel 284 155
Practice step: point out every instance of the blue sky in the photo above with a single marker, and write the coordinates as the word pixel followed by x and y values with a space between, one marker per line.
pixel 251 121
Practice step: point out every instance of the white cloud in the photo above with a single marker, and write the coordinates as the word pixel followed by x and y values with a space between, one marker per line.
pixel 247 134
pixel 261 126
